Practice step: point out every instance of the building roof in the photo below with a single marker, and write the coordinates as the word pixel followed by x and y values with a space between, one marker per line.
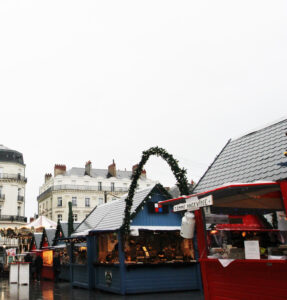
pixel 9 155
pixel 257 156
pixel 98 173
pixel 109 216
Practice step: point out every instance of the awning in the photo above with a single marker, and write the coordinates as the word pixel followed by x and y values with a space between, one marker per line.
pixel 257 195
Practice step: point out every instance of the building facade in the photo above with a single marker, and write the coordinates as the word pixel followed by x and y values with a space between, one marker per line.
pixel 12 188
pixel 85 188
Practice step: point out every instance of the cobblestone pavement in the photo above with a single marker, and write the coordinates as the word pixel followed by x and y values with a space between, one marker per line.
pixel 48 290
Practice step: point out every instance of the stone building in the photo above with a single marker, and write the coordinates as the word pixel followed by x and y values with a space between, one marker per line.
pixel 12 188
pixel 85 188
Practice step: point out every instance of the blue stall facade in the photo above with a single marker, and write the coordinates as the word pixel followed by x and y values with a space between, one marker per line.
pixel 153 258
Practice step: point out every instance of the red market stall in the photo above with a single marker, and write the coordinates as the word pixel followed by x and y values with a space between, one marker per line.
pixel 48 253
pixel 241 255
pixel 242 229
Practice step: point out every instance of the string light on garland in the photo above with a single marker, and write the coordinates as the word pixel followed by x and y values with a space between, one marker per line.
pixel 180 175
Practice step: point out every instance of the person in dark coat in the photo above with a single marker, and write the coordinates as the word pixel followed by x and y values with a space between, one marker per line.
pixel 28 258
pixel 56 266
pixel 38 267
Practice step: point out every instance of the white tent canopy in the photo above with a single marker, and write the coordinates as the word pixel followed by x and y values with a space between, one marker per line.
pixel 42 221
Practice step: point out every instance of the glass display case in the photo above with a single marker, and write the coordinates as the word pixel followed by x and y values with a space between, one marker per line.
pixel 245 237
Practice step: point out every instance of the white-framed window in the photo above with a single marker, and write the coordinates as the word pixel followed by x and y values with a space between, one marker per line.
pixel 60 217
pixel 112 186
pixel 101 200
pixel 19 210
pixel 59 201
pixel 74 201
pixel 75 217
pixel 100 186
pixel 87 202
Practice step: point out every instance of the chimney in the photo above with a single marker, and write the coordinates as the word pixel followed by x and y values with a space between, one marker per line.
pixel 59 170
pixel 143 174
pixel 112 172
pixel 88 168
pixel 48 177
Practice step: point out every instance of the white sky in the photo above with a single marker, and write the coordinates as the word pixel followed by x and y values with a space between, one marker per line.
pixel 103 80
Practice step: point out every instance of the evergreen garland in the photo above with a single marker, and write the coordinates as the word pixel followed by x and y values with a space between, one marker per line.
pixel 70 220
pixel 180 175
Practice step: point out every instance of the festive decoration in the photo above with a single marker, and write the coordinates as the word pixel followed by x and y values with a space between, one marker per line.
pixel 180 175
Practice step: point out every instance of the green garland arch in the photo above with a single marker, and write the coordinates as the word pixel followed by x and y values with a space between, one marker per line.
pixel 180 175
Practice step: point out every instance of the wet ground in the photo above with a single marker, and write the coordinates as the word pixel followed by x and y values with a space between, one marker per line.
pixel 48 290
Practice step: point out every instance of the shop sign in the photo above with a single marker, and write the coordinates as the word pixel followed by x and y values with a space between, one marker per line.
pixel 108 277
pixel 193 204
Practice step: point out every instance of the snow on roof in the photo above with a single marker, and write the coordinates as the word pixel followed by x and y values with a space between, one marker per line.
pixel 109 216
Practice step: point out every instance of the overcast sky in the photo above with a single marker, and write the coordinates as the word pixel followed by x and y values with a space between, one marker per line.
pixel 103 80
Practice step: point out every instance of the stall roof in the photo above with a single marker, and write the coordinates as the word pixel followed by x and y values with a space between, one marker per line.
pixel 38 239
pixel 109 216
pixel 50 233
pixel 256 156
pixel 241 196
pixel 42 221
pixel 64 226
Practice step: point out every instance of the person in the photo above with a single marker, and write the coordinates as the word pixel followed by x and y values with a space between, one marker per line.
pixel 38 266
pixel 28 258
pixel 56 266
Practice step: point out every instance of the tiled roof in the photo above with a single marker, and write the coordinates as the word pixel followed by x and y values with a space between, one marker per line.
pixel 257 156
pixel 98 173
pixel 109 216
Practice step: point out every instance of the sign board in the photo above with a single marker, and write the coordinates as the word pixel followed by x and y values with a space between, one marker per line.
pixel 252 250
pixel 193 204
pixel 108 277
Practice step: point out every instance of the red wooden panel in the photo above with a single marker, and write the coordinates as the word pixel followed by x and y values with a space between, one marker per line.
pixel 246 280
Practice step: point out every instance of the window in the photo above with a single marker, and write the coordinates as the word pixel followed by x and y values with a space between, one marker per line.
pixel 59 201
pixel 19 210
pixel 99 186
pixel 87 202
pixel 101 200
pixel 112 186
pixel 74 201
pixel 0 191
pixel 60 218
pixel 108 248
pixel 75 218
pixel 0 210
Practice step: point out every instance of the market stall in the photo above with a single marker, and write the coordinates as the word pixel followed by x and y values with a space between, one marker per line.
pixel 153 258
pixel 46 246
pixel 62 246
pixel 242 240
